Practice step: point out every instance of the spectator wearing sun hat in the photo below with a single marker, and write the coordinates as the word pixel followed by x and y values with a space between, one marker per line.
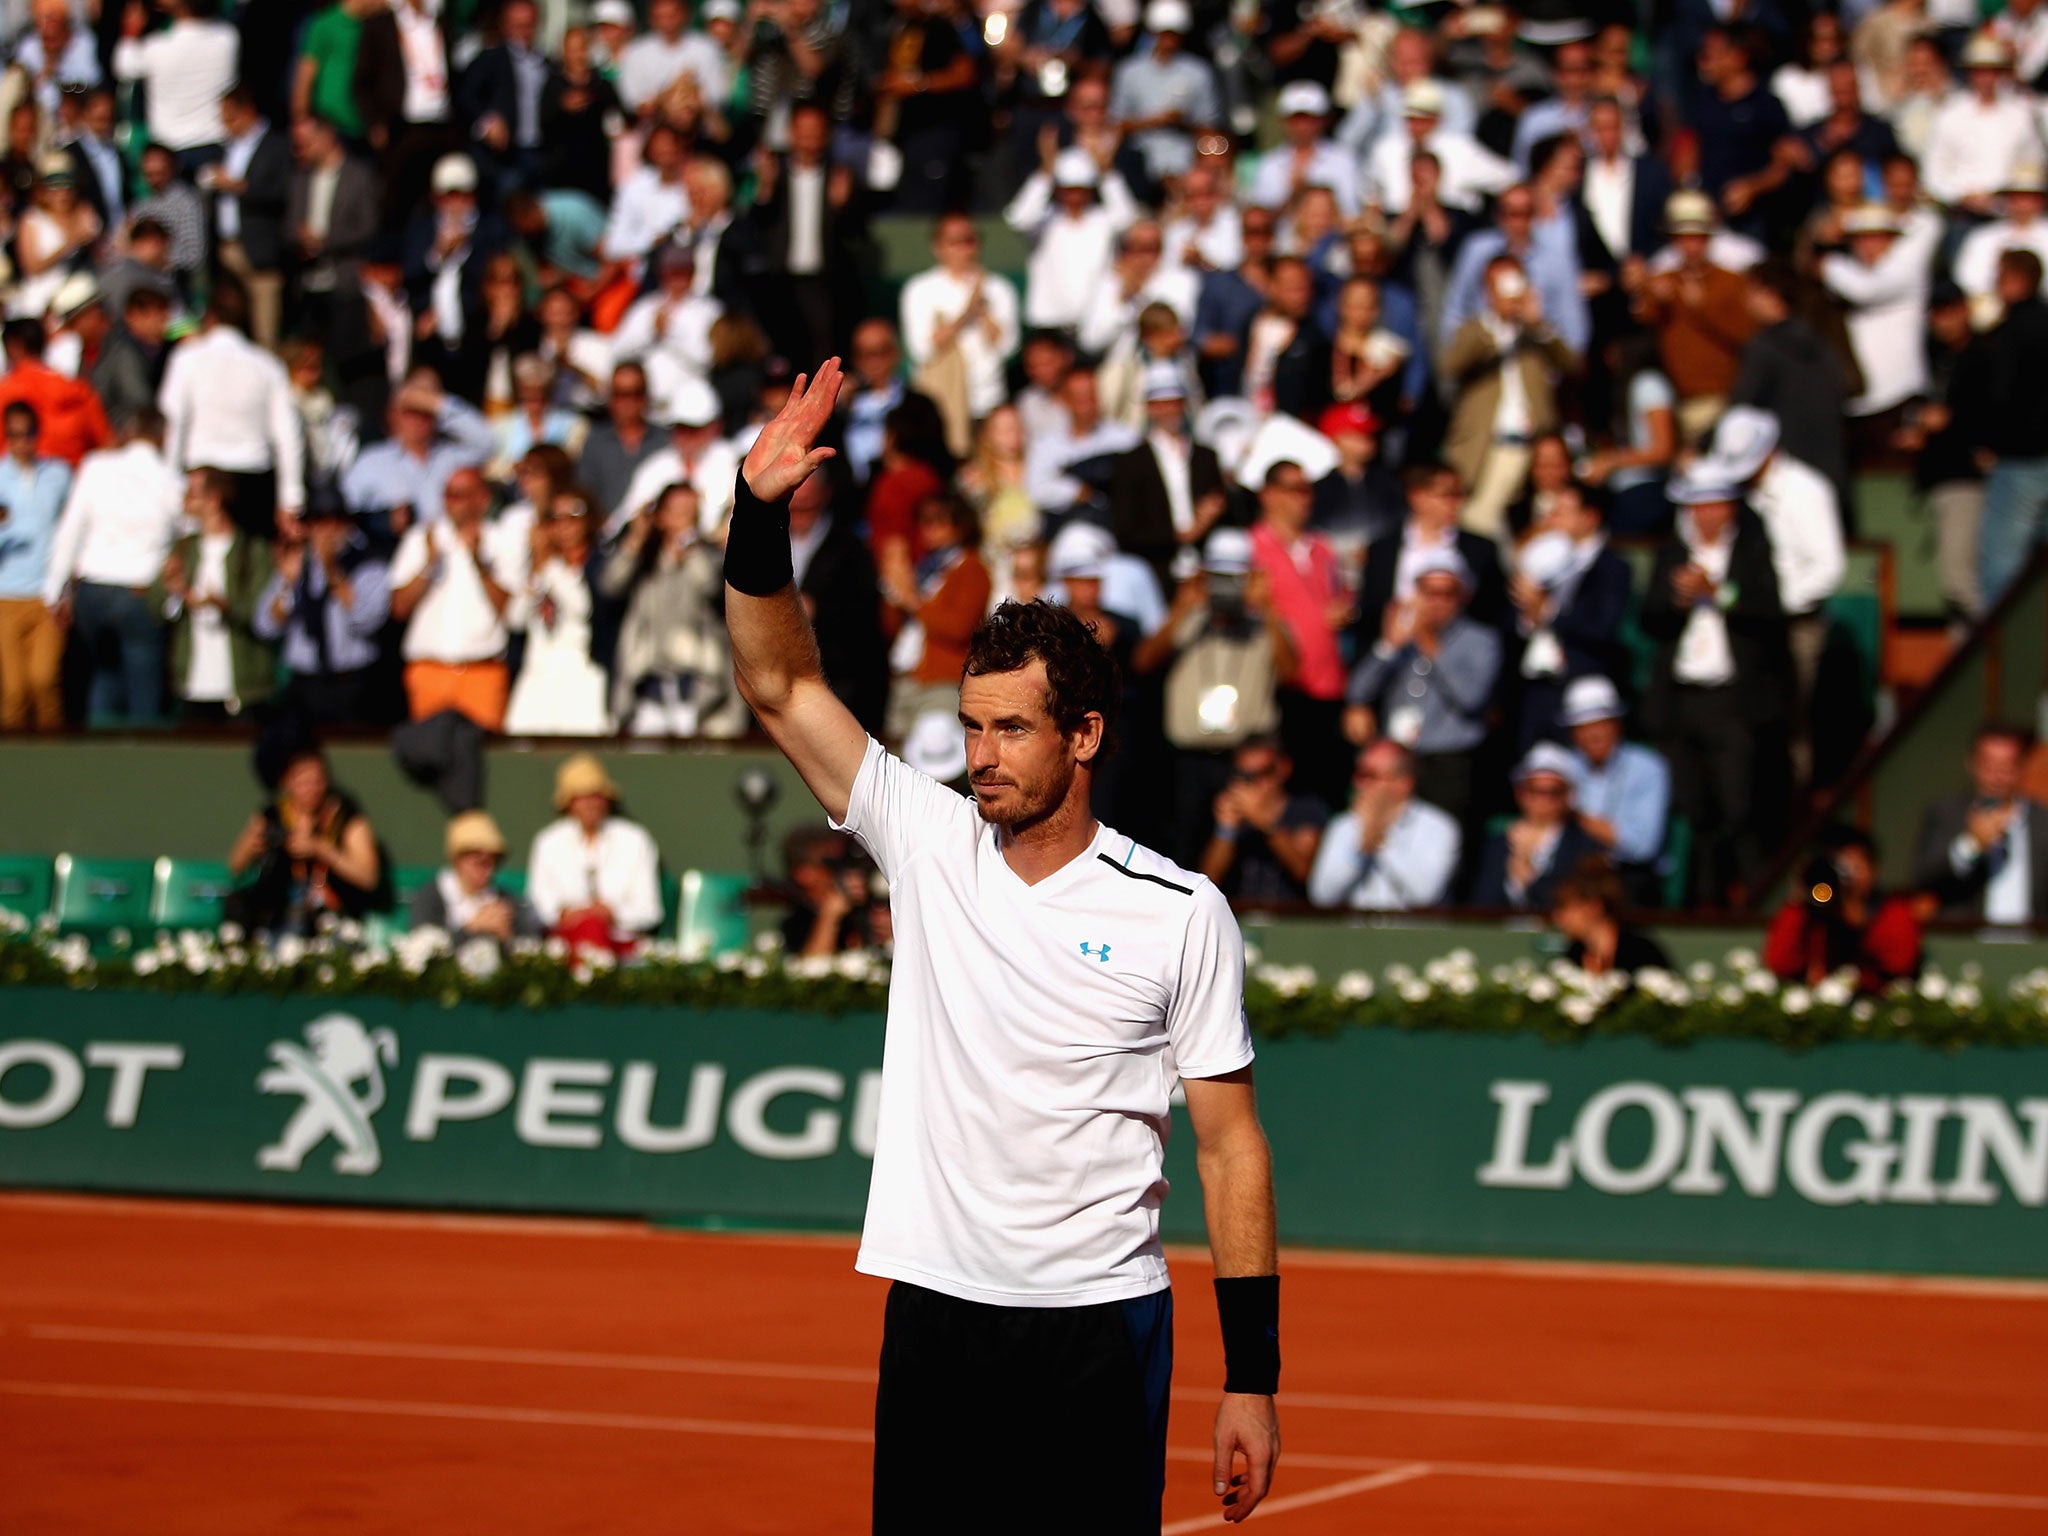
pixel 1428 682
pixel 1981 133
pixel 1521 864
pixel 1470 171
pixel 1717 698
pixel 464 899
pixel 593 876
pixel 2022 224
pixel 1163 96
pixel 1072 212
pixel 1699 311
pixel 1621 788
pixel 1306 157
pixel 1883 282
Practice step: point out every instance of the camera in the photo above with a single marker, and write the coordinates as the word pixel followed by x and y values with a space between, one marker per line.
pixel 1822 879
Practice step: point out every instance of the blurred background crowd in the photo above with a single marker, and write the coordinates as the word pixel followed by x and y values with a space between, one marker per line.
pixel 1452 416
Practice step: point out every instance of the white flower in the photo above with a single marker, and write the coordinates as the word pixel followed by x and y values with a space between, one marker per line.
pixel 755 967
pixel 1397 973
pixel 1355 986
pixel 1834 992
pixel 198 963
pixel 1580 1010
pixel 478 959
pixel 1797 1000
pixel 595 957
pixel 325 975
pixel 146 963
pixel 814 967
pixel 1728 995
pixel 1762 983
pixel 1701 973
pixel 1542 989
pixel 349 931
pixel 1863 1010
pixel 1252 956
pixel 1414 989
pixel 1656 981
pixel 1934 986
pixel 526 946
pixel 1463 983
pixel 851 964
pixel 231 933
pixel 1740 960
pixel 556 949
pixel 1289 981
pixel 1965 997
pixel 768 941
pixel 12 922
pixel 291 949
pixel 729 963
pixel 1463 959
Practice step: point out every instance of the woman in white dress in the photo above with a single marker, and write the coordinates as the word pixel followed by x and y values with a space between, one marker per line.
pixel 560 691
pixel 56 229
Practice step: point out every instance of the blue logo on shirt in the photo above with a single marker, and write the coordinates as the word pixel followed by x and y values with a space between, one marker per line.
pixel 1097 951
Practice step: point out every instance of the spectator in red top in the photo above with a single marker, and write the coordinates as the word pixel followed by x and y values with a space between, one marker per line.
pixel 1836 919
pixel 73 421
pixel 1310 597
pixel 914 468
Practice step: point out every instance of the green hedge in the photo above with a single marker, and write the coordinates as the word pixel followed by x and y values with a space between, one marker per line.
pixel 1734 999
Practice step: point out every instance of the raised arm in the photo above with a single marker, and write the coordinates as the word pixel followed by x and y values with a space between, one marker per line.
pixel 774 653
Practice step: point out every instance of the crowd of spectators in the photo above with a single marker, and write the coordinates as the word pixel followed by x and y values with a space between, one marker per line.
pixel 391 358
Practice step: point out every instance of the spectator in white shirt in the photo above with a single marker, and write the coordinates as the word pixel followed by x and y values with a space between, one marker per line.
pixel 649 205
pixel 668 332
pixel 228 404
pixel 1203 230
pixel 187 68
pixel 960 303
pixel 592 876
pixel 2023 202
pixel 653 60
pixel 697 456
pixel 1469 170
pixel 1137 278
pixel 1389 852
pixel 1306 158
pixel 1884 281
pixel 1072 212
pixel 1981 133
pixel 125 511
pixel 450 584
pixel 58 55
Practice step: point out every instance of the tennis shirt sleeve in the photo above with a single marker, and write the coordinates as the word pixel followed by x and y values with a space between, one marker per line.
pixel 895 811
pixel 1206 1028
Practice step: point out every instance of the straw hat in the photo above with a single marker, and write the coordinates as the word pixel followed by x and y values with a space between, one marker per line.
pixel 474 832
pixel 582 775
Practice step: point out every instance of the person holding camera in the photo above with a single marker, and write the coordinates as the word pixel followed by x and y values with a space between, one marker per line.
pixel 1836 919
pixel 1264 841
pixel 1504 364
pixel 831 901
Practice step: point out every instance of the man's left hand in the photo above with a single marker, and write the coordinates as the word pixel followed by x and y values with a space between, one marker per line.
pixel 1247 1426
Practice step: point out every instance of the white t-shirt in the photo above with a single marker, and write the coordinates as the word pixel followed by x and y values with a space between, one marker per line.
pixel 1035 1033
pixel 210 679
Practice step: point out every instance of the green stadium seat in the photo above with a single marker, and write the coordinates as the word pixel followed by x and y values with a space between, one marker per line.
pixel 189 893
pixel 713 918
pixel 26 884
pixel 406 880
pixel 671 901
pixel 96 895
pixel 1677 861
pixel 512 882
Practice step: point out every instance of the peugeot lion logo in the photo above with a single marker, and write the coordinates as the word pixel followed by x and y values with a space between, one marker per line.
pixel 339 1078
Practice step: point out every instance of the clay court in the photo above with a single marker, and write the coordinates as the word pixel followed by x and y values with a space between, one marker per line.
pixel 172 1367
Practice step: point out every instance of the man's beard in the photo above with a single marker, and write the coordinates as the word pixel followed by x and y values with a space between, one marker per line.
pixel 1025 805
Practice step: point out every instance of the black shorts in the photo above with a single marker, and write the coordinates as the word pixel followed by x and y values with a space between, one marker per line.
pixel 995 1419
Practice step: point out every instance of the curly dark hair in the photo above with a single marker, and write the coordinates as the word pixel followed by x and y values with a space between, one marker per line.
pixel 1080 674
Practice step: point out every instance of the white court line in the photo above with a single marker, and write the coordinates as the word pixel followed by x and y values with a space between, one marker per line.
pixel 775 1371
pixel 1571 1270
pixel 1279 1506
pixel 284 1402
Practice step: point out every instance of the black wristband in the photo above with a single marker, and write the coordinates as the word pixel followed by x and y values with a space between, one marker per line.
pixel 1249 1307
pixel 757 558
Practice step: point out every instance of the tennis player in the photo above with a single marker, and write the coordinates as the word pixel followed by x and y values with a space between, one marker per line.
pixel 1052 981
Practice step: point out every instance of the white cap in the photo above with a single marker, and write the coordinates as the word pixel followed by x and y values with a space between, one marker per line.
pixel 1169 16
pixel 692 403
pixel 1228 552
pixel 1688 212
pixel 454 173
pixel 936 746
pixel 1547 757
pixel 1870 219
pixel 1744 437
pixel 613 13
pixel 1163 382
pixel 77 292
pixel 1587 699
pixel 1074 167
pixel 1986 51
pixel 1080 549
pixel 1422 98
pixel 1303 98
pixel 1443 562
pixel 724 10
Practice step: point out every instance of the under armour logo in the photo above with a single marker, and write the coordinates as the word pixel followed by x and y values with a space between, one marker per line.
pixel 1098 951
